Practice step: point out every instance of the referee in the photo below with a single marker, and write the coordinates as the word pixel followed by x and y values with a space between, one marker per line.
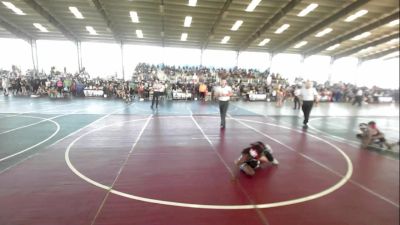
pixel 223 93
pixel 308 94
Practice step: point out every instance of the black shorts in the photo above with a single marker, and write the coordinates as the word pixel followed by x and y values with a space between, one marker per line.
pixel 253 163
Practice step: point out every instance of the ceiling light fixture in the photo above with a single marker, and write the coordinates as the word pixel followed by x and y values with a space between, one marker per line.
pixel 184 36
pixel 356 15
pixel 225 39
pixel 366 49
pixel 264 42
pixel 134 16
pixel 282 28
pixel 91 30
pixel 322 33
pixel 14 8
pixel 390 55
pixel 188 21
pixel 237 24
pixel 40 27
pixel 253 4
pixel 192 3
pixel 393 23
pixel 139 33
pixel 361 36
pixel 308 9
pixel 333 47
pixel 394 40
pixel 76 12
pixel 300 44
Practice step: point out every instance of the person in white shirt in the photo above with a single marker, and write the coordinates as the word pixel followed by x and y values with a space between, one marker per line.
pixel 223 93
pixel 359 97
pixel 296 94
pixel 308 94
pixel 5 84
pixel 157 88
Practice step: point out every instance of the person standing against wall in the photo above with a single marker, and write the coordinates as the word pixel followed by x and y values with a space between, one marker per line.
pixel 296 94
pixel 5 84
pixel 359 97
pixel 157 88
pixel 223 93
pixel 308 94
pixel 203 91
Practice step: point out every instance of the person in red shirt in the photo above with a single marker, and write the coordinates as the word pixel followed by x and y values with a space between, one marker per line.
pixel 254 156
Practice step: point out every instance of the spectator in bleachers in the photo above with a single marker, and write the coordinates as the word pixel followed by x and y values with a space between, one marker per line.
pixel 181 78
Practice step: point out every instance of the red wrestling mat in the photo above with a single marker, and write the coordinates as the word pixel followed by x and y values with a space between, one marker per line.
pixel 179 170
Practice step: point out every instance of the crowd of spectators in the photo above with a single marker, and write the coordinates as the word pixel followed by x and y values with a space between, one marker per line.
pixel 194 82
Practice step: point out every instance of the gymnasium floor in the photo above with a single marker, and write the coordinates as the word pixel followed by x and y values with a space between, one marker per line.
pixel 96 161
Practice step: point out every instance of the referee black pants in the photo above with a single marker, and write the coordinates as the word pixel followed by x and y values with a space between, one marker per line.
pixel 306 108
pixel 156 94
pixel 223 108
pixel 296 102
pixel 358 100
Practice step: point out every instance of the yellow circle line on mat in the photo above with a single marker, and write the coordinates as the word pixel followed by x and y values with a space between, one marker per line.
pixel 327 191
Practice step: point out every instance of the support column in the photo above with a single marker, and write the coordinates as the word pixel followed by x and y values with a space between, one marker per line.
pixel 201 57
pixel 303 57
pixel 269 61
pixel 330 69
pixel 359 63
pixel 302 66
pixel 122 61
pixel 79 51
pixel 270 57
pixel 35 60
pixel 237 59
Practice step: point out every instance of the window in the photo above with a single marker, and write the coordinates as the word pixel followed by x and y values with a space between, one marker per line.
pixel 317 68
pixel 59 54
pixel 102 59
pixel 219 58
pixel 254 60
pixel 378 72
pixel 287 65
pixel 15 52
pixel 345 70
pixel 182 56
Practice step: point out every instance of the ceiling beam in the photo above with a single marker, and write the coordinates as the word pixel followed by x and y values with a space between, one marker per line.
pixel 15 30
pixel 317 27
pixel 268 24
pixel 100 7
pixel 43 12
pixel 364 46
pixel 353 33
pixel 380 54
pixel 222 14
